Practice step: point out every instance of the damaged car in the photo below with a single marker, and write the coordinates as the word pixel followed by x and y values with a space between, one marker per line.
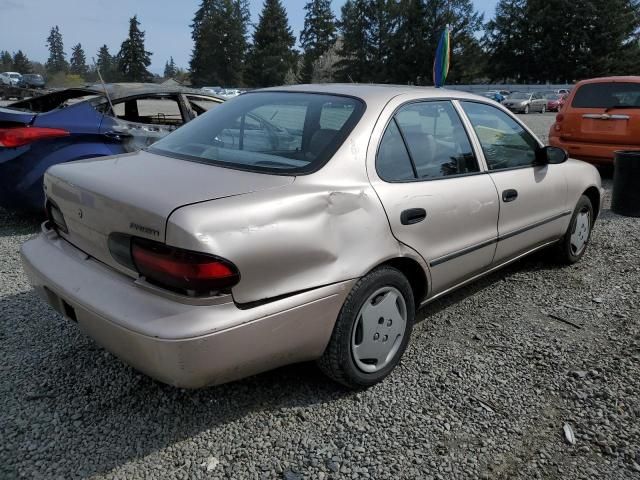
pixel 80 123
pixel 301 223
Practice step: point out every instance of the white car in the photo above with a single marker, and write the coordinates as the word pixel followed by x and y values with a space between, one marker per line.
pixel 10 78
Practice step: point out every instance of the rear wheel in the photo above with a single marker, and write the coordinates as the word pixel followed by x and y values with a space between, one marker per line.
pixel 543 109
pixel 526 109
pixel 572 246
pixel 372 330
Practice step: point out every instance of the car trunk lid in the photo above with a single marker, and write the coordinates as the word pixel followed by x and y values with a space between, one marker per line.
pixel 12 117
pixel 136 193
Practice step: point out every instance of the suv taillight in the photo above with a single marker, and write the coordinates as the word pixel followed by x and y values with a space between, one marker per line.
pixel 194 272
pixel 19 136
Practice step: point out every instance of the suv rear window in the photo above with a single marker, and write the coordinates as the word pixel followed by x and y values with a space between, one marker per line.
pixel 277 132
pixel 607 95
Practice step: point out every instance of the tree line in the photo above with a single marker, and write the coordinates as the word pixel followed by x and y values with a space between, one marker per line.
pixel 386 41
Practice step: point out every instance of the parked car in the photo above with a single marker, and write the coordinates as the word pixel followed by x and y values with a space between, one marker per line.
pixel 563 91
pixel 525 102
pixel 600 116
pixel 206 258
pixel 78 123
pixel 11 78
pixel 31 80
pixel 555 101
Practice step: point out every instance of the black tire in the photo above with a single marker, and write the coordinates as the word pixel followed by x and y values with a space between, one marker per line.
pixel 337 361
pixel 564 253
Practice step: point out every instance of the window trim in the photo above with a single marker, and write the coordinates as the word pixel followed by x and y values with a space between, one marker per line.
pixel 461 101
pixel 392 117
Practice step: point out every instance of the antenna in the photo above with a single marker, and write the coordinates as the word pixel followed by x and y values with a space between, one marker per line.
pixel 106 93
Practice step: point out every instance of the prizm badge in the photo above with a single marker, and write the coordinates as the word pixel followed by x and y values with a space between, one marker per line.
pixel 143 229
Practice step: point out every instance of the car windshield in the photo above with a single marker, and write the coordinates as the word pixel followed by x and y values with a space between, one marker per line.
pixel 277 132
pixel 14 75
pixel 607 95
pixel 519 96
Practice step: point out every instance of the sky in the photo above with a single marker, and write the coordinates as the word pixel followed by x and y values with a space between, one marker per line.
pixel 25 25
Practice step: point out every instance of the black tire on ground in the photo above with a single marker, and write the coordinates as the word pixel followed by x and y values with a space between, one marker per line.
pixel 564 253
pixel 337 361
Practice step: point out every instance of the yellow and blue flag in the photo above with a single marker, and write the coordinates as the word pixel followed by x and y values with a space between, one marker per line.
pixel 441 63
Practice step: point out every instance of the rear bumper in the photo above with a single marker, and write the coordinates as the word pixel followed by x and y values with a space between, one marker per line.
pixel 183 345
pixel 595 153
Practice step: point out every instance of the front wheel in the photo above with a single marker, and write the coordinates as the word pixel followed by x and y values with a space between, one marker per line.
pixel 372 330
pixel 574 243
pixel 543 109
pixel 526 110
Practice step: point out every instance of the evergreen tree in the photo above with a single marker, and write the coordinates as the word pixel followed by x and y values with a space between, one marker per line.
pixel 170 68
pixel 354 64
pixel 409 62
pixel 21 63
pixel 318 35
pixel 6 61
pixel 219 33
pixel 133 59
pixel 272 54
pixel 56 62
pixel 78 62
pixel 106 64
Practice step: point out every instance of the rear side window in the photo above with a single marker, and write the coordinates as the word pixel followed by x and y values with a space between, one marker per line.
pixel 149 110
pixel 607 95
pixel 435 141
pixel 276 132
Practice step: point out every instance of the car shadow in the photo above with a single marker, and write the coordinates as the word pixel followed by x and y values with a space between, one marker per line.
pixel 19 223
pixel 67 399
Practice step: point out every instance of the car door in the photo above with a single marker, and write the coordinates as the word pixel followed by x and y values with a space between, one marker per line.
pixel 533 198
pixel 437 198
pixel 139 121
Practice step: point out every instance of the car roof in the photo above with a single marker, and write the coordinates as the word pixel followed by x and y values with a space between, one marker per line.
pixel 626 79
pixel 373 92
pixel 118 91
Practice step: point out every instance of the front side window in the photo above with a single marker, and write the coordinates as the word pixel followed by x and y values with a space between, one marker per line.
pixel 153 110
pixel 435 140
pixel 505 143
pixel 271 131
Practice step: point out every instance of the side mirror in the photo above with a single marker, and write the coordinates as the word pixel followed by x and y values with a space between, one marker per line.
pixel 551 155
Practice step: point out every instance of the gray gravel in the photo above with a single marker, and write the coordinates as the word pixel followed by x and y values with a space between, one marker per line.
pixel 484 390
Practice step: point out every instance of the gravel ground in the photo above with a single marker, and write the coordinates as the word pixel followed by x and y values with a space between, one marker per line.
pixel 484 390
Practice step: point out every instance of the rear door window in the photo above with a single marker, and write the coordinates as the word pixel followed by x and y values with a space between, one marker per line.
pixel 607 95
pixel 152 110
pixel 201 104
pixel 436 139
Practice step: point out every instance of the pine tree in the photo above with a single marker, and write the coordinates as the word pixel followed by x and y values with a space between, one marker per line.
pixel 272 54
pixel 21 63
pixel 78 62
pixel 56 62
pixel 6 61
pixel 410 43
pixel 106 64
pixel 318 35
pixel 133 59
pixel 170 68
pixel 219 32
pixel 508 43
pixel 354 64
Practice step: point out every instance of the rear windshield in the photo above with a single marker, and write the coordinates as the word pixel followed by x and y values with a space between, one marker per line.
pixel 607 95
pixel 267 131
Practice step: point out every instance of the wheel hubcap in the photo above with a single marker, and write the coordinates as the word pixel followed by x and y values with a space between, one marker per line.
pixel 379 329
pixel 580 234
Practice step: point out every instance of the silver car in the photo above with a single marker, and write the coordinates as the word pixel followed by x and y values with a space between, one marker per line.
pixel 521 102
pixel 301 223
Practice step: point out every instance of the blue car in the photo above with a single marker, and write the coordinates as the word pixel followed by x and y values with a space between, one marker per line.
pixel 81 123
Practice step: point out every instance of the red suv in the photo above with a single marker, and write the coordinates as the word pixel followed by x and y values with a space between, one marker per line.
pixel 600 116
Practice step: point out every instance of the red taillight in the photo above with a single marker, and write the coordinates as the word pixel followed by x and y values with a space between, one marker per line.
pixel 182 269
pixel 19 136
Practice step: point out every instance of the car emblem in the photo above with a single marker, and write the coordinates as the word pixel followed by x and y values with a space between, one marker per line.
pixel 80 213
